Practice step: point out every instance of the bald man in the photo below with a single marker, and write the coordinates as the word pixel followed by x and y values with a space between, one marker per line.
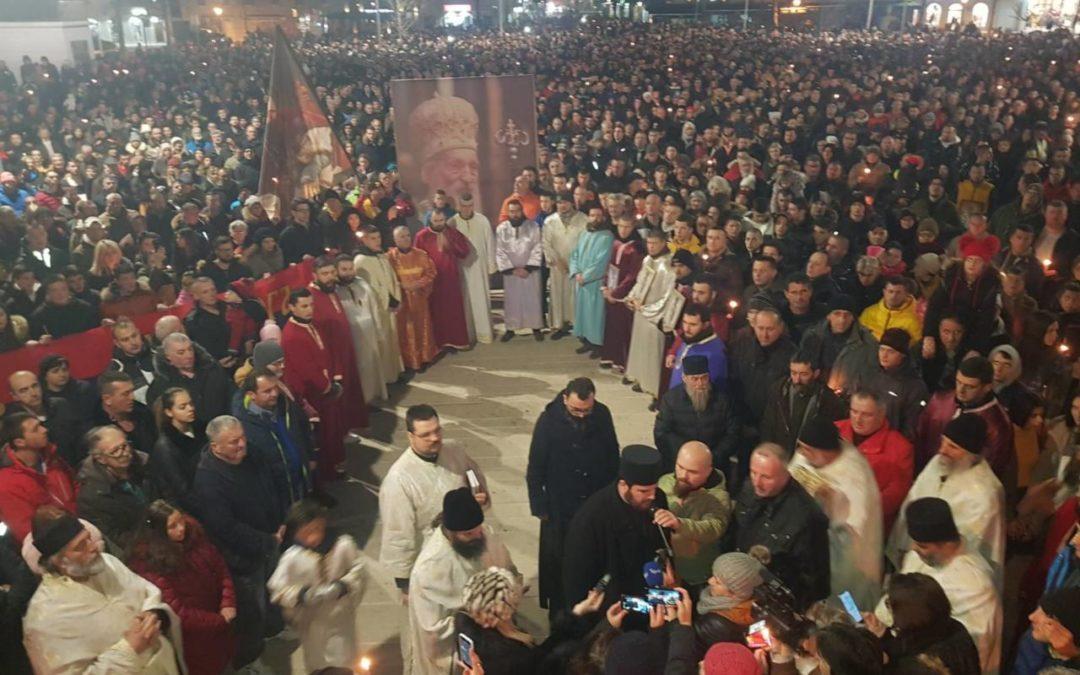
pixel 699 511
pixel 56 415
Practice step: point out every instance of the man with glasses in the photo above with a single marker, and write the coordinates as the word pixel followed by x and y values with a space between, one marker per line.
pixel 574 453
pixel 114 491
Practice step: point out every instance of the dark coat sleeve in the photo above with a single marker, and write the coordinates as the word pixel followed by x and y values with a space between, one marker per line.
pixel 584 560
pixel 220 520
pixel 730 432
pixel 537 470
pixel 813 547
pixel 609 443
pixel 681 659
pixel 666 434
pixel 170 478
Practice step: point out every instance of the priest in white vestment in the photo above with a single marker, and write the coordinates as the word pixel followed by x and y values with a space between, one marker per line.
pixel 374 267
pixel 358 300
pixel 477 267
pixel 91 615
pixel 938 551
pixel 460 546
pixel 840 479
pixel 561 232
pixel 976 497
pixel 656 305
pixel 518 255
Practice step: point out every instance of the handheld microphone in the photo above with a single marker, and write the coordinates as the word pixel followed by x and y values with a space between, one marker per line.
pixel 654 576
pixel 663 536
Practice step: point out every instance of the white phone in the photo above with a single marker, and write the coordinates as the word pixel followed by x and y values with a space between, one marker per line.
pixel 474 482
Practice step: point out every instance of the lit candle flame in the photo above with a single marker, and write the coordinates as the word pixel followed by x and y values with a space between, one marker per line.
pixel 365 664
pixel 734 304
pixel 1047 262
pixel 1063 348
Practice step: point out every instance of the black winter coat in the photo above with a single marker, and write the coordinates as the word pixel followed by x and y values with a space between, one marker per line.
pixel 13 604
pixel 975 305
pixel 795 532
pixel 116 507
pixel 172 466
pixel 240 510
pixel 569 461
pixel 143 436
pixel 905 397
pixel 607 536
pixel 946 640
pixel 753 369
pixel 677 422
pixel 211 389
pixel 779 426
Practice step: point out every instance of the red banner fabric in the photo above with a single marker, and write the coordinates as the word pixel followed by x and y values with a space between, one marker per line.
pixel 89 352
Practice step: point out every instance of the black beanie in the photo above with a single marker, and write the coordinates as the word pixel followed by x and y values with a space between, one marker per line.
pixel 1063 605
pixel 967 430
pixel 842 302
pixel 896 338
pixel 461 511
pixel 930 521
pixel 820 433
pixel 640 465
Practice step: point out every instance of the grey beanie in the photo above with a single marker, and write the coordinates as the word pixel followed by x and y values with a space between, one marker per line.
pixel 266 352
pixel 739 572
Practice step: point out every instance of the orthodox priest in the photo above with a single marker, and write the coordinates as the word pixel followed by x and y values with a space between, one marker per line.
pixel 446 247
pixel 656 305
pixel 311 376
pixel 615 532
pixel 358 300
pixel 627 253
pixel 477 267
pixel 416 276
pixel 374 267
pixel 518 256
pixel 560 234
pixel 588 269
pixel 333 324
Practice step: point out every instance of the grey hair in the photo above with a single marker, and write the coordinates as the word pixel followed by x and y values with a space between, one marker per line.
pixel 772 450
pixel 866 262
pixel 219 424
pixel 175 339
pixel 93 437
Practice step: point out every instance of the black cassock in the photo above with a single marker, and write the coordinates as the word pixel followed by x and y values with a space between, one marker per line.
pixel 607 536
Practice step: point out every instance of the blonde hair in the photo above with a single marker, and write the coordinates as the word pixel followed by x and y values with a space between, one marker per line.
pixel 101 250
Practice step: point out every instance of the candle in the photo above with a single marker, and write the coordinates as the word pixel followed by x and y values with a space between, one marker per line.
pixel 1047 262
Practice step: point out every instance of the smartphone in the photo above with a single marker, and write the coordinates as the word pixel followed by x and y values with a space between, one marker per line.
pixel 602 585
pixel 634 604
pixel 464 646
pixel 662 596
pixel 757 636
pixel 474 482
pixel 850 607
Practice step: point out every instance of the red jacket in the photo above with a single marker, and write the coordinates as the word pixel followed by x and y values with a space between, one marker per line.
pixel 197 592
pixel 892 458
pixel 23 489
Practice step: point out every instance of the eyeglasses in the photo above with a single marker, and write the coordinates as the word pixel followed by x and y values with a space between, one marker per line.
pixel 117 451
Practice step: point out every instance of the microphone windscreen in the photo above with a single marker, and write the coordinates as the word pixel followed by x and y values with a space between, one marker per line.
pixel 654 576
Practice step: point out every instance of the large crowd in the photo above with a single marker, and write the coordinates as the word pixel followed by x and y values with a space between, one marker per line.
pixel 845 268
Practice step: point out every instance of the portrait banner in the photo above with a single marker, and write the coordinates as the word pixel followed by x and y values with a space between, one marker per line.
pixel 464 134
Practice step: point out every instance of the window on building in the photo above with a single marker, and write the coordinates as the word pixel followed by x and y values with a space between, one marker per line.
pixel 955 15
pixel 933 15
pixel 980 14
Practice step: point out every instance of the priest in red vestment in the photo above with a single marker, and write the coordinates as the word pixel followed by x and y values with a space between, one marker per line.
pixel 447 247
pixel 310 373
pixel 333 323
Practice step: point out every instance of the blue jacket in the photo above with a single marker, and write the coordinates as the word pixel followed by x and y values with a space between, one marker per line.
pixel 16 201
pixel 261 440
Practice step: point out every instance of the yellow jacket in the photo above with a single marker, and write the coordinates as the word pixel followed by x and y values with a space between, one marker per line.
pixel 973 198
pixel 878 318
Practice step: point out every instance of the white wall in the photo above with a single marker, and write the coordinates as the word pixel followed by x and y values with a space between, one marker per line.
pixel 41 38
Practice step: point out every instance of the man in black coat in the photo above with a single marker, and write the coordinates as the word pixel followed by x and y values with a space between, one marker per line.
pixel 131 355
pixel 615 532
pixel 697 411
pixel 574 453
pixel 63 423
pixel 243 515
pixel 182 363
pixel 19 585
pixel 796 398
pixel 61 314
pixel 758 360
pixel 119 407
pixel 777 521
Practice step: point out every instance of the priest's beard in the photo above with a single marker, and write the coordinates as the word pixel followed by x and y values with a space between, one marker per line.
pixel 699 399
pixel 470 550
pixel 516 222
pixel 345 280
pixel 326 288
pixel 952 466
pixel 82 572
